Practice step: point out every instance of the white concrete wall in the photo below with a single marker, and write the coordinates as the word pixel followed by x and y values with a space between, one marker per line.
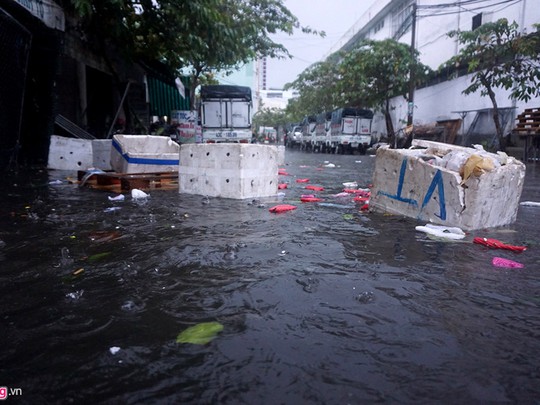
pixel 443 100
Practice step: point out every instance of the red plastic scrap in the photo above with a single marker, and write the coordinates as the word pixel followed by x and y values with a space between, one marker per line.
pixel 497 244
pixel 314 188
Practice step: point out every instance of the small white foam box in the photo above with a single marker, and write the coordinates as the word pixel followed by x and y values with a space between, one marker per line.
pixel 69 153
pixel 404 183
pixel 101 153
pixel 144 154
pixel 228 170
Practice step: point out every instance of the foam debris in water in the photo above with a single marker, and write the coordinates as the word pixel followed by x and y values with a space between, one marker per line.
pixel 138 194
pixel 442 231
pixel 114 350
pixel 119 197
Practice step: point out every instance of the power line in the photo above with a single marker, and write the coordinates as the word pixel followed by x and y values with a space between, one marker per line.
pixel 462 9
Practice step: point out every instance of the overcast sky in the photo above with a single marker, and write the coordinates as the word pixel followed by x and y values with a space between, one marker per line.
pixel 335 17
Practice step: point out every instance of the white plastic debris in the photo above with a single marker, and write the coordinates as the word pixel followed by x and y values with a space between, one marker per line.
pixel 119 197
pixel 530 203
pixel 329 165
pixel 442 231
pixel 350 184
pixel 138 194
pixel 114 350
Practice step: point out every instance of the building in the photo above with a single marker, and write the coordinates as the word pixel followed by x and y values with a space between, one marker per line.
pixel 55 77
pixel 276 98
pixel 433 20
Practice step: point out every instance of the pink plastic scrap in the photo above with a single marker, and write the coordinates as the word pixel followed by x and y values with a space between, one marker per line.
pixel 509 264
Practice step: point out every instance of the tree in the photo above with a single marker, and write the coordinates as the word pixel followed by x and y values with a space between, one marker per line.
pixel 270 117
pixel 374 72
pixel 499 56
pixel 317 87
pixel 202 36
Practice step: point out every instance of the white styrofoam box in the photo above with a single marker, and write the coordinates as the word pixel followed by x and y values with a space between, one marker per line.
pixel 101 154
pixel 69 153
pixel 406 183
pixel 228 170
pixel 144 154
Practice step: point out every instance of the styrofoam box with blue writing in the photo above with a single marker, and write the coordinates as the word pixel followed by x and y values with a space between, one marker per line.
pixel 229 170
pixel 413 182
pixel 144 154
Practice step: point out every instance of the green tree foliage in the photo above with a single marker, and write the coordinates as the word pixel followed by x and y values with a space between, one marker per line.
pixel 367 76
pixel 270 117
pixel 203 36
pixel 317 86
pixel 374 72
pixel 499 56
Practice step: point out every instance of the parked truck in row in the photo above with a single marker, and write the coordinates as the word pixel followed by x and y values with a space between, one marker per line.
pixel 308 132
pixel 350 130
pixel 344 130
pixel 226 114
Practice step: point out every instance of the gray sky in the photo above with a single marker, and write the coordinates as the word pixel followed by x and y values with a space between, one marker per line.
pixel 335 17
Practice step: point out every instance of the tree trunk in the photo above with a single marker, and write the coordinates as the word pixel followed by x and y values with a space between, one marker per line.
pixel 389 125
pixel 496 117
pixel 194 83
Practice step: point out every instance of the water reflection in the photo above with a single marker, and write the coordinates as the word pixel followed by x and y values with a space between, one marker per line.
pixel 325 304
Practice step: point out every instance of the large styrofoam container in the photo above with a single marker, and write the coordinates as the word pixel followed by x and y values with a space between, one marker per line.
pixel 228 170
pixel 101 154
pixel 69 153
pixel 427 184
pixel 144 154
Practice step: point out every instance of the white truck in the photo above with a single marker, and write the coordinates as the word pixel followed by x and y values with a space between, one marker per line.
pixel 226 114
pixel 322 131
pixel 351 130
pixel 294 137
pixel 308 132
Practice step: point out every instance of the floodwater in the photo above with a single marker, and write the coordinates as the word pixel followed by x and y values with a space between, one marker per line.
pixel 322 305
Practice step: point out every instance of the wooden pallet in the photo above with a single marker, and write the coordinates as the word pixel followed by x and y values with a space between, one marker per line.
pixel 528 121
pixel 121 182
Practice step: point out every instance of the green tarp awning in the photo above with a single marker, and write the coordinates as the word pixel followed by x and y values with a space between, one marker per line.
pixel 165 97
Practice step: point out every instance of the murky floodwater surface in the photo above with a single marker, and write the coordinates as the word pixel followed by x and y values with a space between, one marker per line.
pixel 325 304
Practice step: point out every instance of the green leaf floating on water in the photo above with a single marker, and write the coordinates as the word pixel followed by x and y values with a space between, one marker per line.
pixel 98 256
pixel 348 217
pixel 200 334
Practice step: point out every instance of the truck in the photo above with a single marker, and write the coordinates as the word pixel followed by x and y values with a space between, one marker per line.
pixel 294 137
pixel 351 130
pixel 308 132
pixel 268 134
pixel 322 131
pixel 226 114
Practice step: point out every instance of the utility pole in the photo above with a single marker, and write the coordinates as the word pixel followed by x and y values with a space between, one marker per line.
pixel 410 105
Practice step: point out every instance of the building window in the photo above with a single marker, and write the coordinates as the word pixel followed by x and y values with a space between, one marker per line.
pixel 379 26
pixel 476 21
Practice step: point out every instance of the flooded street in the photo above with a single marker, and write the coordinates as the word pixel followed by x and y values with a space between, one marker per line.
pixel 325 304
